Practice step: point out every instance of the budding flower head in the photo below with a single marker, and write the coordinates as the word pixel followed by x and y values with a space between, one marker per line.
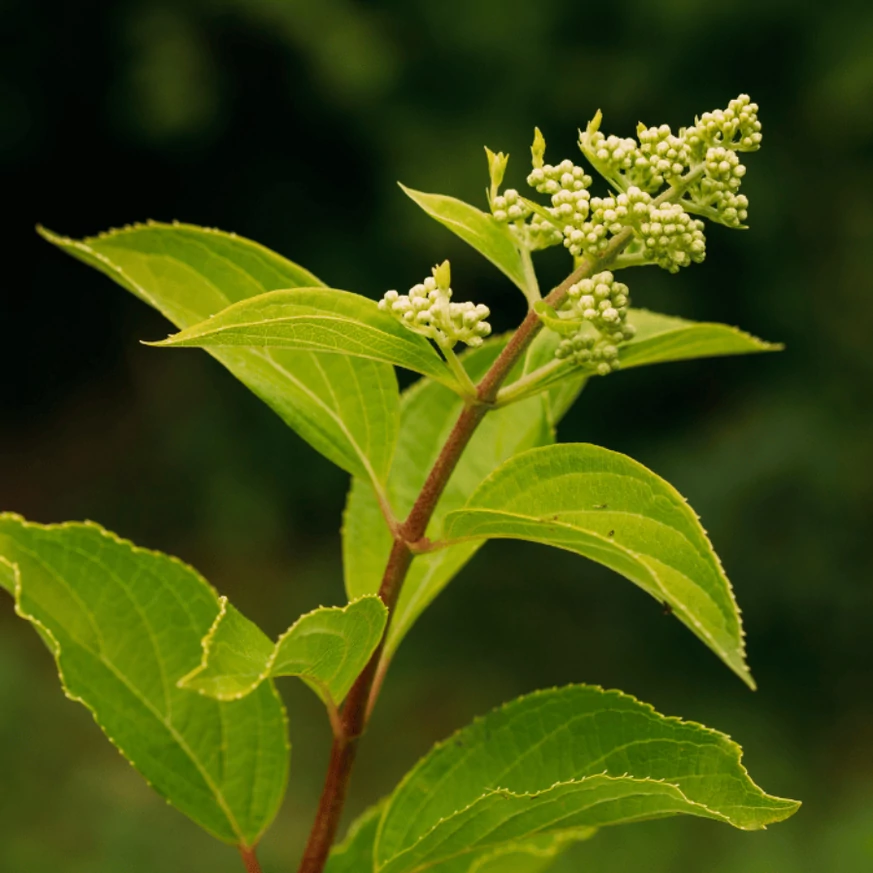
pixel 658 181
pixel 427 310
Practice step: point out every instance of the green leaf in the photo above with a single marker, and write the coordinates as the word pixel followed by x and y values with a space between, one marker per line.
pixel 662 338
pixel 326 648
pixel 124 624
pixel 560 760
pixel 355 853
pixel 428 413
pixel 317 320
pixel 346 408
pixel 611 509
pixel 490 238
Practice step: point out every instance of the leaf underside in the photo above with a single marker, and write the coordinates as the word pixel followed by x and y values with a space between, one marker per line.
pixel 556 764
pixel 326 648
pixel 611 509
pixel 345 407
pixel 123 624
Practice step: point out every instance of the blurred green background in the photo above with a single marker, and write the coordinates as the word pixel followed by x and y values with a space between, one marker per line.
pixel 289 121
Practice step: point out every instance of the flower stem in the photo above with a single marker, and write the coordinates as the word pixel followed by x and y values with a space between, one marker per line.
pixel 459 372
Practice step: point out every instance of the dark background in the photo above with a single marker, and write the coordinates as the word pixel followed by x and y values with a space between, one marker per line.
pixel 289 122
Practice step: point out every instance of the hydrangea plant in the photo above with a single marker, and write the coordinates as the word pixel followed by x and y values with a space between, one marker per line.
pixel 184 684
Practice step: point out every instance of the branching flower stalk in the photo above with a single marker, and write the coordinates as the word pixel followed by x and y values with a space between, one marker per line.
pixel 702 173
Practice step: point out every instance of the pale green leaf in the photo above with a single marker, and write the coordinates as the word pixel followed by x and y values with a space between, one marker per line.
pixel 480 230
pixel 317 320
pixel 124 624
pixel 659 339
pixel 611 509
pixel 428 413
pixel 326 648
pixel 346 408
pixel 662 338
pixel 556 761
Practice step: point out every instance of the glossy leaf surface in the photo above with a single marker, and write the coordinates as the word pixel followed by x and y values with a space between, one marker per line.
pixel 611 509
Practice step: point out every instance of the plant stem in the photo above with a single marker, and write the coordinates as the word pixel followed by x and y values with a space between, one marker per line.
pixel 361 698
pixel 352 723
pixel 250 859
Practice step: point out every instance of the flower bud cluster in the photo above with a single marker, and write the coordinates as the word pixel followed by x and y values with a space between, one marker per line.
pixel 672 238
pixel 602 303
pixel 667 235
pixel 607 215
pixel 427 309
pixel 662 157
pixel 587 351
pixel 700 162
pixel 509 206
pixel 568 186
pixel 736 128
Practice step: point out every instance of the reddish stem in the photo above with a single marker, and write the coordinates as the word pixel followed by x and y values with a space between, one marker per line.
pixel 250 859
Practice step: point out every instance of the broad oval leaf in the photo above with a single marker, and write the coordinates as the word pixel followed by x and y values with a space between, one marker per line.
pixel 480 230
pixel 124 624
pixel 613 510
pixel 317 320
pixel 326 648
pixel 558 760
pixel 428 413
pixel 346 408
pixel 663 338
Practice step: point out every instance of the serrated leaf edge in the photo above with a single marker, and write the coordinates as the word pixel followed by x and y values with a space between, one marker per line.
pixel 208 640
pixel 133 227
pixel 56 653
pixel 747 678
pixel 722 738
